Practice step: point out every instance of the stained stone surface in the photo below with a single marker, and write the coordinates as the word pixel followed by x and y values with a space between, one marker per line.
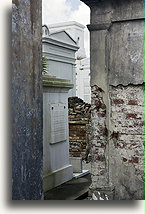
pixel 116 32
pixel 27 145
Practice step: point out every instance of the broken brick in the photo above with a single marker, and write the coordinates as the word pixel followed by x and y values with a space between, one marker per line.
pixel 118 101
pixel 131 116
pixel 132 102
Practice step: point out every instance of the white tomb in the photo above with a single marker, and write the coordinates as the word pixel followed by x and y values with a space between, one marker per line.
pixel 82 69
pixel 76 31
pixel 83 89
pixel 56 166
pixel 59 49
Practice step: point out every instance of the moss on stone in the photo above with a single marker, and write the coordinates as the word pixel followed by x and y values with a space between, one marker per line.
pixel 53 81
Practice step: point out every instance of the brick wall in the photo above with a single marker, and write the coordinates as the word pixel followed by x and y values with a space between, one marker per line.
pixel 79 120
pixel 98 139
pixel 116 153
pixel 126 139
pixel 127 122
pixel 111 141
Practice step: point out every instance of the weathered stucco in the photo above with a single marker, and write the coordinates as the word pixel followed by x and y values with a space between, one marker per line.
pixel 126 53
pixel 126 141
pixel 116 32
pixel 27 145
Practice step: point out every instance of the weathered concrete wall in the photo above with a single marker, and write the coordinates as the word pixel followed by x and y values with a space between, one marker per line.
pixel 125 60
pixel 27 144
pixel 116 32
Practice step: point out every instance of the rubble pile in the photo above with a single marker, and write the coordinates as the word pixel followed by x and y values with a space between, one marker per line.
pixel 78 109
pixel 79 119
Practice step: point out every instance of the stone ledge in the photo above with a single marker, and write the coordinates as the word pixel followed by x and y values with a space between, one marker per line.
pixel 53 81
pixel 97 27
pixel 83 122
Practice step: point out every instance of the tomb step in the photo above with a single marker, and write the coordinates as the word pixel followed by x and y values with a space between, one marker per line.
pixel 71 190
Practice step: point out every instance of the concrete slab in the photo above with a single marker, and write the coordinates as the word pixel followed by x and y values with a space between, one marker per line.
pixel 71 190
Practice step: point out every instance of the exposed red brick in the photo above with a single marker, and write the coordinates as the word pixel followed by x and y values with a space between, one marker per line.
pixel 132 102
pixel 82 131
pixel 101 114
pixel 118 101
pixel 100 158
pixel 134 160
pixel 79 116
pixel 131 115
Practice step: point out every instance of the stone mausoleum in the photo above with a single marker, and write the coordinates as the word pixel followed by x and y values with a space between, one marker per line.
pixel 82 63
pixel 117 34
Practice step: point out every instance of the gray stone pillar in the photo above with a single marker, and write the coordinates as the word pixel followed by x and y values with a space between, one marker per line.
pixel 116 32
pixel 27 144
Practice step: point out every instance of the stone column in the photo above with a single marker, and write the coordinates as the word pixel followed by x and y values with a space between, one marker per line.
pixel 27 144
pixel 117 96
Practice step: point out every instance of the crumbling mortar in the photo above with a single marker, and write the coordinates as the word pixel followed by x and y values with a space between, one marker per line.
pixel 99 134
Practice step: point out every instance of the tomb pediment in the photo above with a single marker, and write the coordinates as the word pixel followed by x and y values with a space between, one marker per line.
pixel 62 36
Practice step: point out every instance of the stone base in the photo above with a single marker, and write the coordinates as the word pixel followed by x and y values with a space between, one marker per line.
pixel 57 177
pixel 76 162
pixel 79 175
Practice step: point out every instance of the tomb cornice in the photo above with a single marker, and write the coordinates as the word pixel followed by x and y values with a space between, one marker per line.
pixel 53 81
